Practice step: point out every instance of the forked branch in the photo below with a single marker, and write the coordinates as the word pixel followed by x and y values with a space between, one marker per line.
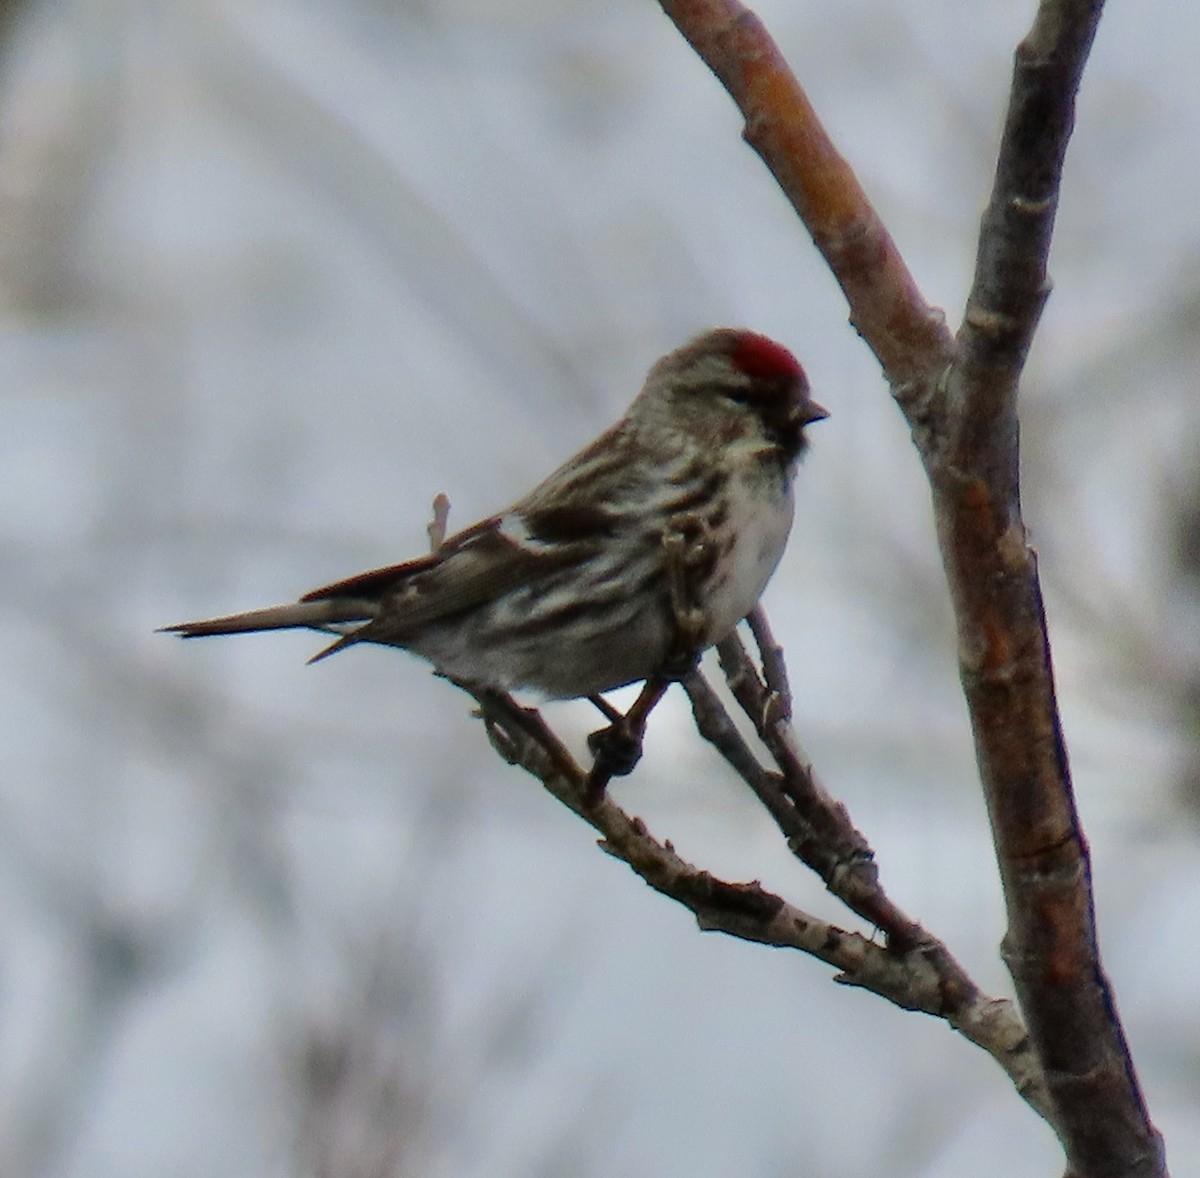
pixel 960 399
pixel 913 969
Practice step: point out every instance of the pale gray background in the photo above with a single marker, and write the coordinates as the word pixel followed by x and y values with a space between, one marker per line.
pixel 273 274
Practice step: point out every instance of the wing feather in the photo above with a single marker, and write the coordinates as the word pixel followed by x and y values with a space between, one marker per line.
pixel 471 569
pixel 557 525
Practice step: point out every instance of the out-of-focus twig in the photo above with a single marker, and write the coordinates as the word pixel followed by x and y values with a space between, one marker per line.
pixel 436 528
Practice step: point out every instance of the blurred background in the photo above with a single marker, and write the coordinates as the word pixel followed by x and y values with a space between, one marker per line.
pixel 274 274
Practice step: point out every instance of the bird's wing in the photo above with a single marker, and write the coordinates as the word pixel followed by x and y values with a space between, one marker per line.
pixel 557 525
pixel 471 568
pixel 375 583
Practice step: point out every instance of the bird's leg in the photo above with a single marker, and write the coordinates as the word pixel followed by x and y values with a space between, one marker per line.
pixel 605 708
pixel 618 748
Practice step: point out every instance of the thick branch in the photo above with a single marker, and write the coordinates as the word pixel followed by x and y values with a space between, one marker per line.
pixel 1051 946
pixel 961 404
pixel 906 334
pixel 1011 283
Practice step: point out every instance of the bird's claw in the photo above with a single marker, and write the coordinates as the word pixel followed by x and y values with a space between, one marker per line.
pixel 615 750
pixel 618 746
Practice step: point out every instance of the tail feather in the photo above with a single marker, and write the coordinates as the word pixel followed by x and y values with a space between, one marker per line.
pixel 340 644
pixel 309 615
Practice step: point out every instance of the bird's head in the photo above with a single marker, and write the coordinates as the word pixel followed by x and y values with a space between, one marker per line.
pixel 734 375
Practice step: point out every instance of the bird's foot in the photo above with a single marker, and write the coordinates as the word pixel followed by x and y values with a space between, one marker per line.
pixel 615 751
pixel 617 748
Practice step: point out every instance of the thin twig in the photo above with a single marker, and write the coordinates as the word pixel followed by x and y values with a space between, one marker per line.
pixel 922 978
pixel 713 722
pixel 440 520
pixel 830 845
pixel 773 667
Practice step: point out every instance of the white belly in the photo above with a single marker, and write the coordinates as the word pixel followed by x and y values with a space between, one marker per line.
pixel 760 520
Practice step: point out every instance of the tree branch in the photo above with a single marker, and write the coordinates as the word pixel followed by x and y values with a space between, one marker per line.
pixel 1051 946
pixel 817 827
pixel 1011 285
pixel 907 335
pixel 923 976
pixel 960 400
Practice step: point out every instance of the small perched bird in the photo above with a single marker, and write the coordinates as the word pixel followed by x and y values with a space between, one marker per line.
pixel 572 591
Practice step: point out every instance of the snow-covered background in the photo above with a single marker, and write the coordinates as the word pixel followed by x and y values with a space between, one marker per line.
pixel 273 274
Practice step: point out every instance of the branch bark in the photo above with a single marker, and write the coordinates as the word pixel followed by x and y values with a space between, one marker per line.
pixel 959 397
pixel 1051 946
pixel 921 975
pixel 904 332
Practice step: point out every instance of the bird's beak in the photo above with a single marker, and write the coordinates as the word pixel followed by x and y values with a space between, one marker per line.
pixel 810 411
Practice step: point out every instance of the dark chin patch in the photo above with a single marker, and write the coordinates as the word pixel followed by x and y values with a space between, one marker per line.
pixel 775 402
pixel 787 432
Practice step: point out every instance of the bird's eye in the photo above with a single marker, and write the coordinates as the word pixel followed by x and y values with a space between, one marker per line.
pixel 763 390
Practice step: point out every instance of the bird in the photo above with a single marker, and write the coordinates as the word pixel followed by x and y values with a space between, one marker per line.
pixel 663 531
